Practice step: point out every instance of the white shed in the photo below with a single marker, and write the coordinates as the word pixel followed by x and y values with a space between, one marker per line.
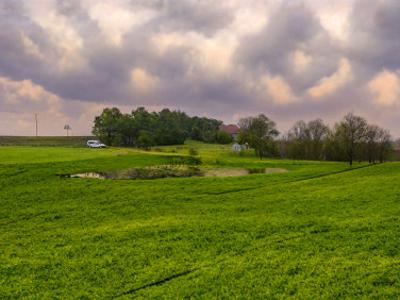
pixel 236 148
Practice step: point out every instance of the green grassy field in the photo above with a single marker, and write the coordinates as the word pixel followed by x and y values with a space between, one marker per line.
pixel 49 141
pixel 321 230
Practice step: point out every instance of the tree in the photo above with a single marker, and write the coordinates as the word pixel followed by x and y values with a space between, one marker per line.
pixel 307 139
pixel 317 132
pixel 223 137
pixel 141 128
pixel 106 126
pixel 371 143
pixel 350 133
pixel 145 139
pixel 384 144
pixel 298 137
pixel 259 132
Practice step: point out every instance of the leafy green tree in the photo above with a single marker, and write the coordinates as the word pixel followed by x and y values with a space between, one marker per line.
pixel 260 133
pixel 106 126
pixel 223 137
pixel 145 139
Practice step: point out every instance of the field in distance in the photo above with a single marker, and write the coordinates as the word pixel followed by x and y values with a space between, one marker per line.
pixel 319 230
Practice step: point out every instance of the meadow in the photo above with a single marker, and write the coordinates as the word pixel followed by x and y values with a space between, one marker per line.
pixel 322 230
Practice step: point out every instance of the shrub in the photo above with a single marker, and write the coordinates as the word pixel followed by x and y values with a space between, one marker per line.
pixel 193 160
pixel 193 151
pixel 223 137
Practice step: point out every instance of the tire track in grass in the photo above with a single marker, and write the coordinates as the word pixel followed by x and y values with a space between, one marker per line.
pixel 156 283
pixel 237 190
pixel 212 264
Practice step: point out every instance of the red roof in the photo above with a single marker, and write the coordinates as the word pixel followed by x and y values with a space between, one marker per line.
pixel 231 128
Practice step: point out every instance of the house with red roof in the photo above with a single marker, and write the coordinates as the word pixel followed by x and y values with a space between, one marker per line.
pixel 231 129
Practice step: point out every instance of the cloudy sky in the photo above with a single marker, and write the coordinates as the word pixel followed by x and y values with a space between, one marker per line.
pixel 288 59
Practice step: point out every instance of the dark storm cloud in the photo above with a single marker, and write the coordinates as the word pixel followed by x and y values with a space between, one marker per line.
pixel 293 26
pixel 204 16
pixel 375 35
pixel 186 70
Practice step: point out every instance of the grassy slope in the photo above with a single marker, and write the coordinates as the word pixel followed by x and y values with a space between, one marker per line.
pixel 53 141
pixel 321 230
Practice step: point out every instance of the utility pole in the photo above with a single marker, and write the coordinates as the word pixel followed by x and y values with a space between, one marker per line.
pixel 67 128
pixel 36 124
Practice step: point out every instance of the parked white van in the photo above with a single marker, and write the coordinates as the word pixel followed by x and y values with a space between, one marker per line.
pixel 95 144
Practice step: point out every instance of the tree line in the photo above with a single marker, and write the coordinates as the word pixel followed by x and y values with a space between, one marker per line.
pixel 145 129
pixel 350 139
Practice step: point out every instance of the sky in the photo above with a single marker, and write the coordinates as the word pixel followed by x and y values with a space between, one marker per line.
pixel 290 59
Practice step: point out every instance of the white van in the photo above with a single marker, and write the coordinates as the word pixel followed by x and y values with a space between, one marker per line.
pixel 95 144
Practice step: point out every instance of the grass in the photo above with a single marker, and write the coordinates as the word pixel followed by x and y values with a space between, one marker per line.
pixel 53 141
pixel 321 230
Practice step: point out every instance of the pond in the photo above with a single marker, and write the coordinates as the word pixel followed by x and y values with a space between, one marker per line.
pixel 158 172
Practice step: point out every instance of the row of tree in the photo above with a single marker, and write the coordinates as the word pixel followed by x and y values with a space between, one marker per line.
pixel 348 140
pixel 144 129
pixel 353 138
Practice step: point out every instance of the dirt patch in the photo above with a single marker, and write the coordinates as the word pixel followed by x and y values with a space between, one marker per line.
pixel 226 172
pixel 275 170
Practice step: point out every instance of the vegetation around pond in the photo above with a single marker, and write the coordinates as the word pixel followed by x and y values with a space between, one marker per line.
pixel 321 230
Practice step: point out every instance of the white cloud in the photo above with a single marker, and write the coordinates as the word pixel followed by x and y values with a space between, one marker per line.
pixel 67 41
pixel 385 87
pixel 116 18
pixel 206 54
pixel 278 89
pixel 330 84
pixel 143 80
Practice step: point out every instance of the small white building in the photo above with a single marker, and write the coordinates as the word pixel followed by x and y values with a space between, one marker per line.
pixel 236 148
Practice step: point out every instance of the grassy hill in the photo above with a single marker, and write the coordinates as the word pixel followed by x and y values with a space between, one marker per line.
pixel 53 141
pixel 320 230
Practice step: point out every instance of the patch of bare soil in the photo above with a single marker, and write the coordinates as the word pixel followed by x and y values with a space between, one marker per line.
pixel 275 170
pixel 225 172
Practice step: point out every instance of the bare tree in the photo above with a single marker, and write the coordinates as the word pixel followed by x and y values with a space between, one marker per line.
pixel 299 138
pixel 384 144
pixel 351 132
pixel 371 143
pixel 307 139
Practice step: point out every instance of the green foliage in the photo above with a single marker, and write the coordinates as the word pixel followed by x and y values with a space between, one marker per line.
pixel 185 160
pixel 145 139
pixel 106 126
pixel 259 132
pixel 223 138
pixel 144 129
pixel 192 151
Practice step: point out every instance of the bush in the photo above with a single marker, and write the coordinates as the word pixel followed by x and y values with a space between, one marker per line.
pixel 193 160
pixel 185 160
pixel 223 138
pixel 193 151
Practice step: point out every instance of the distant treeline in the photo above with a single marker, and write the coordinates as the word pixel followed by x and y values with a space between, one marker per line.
pixel 350 139
pixel 141 128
